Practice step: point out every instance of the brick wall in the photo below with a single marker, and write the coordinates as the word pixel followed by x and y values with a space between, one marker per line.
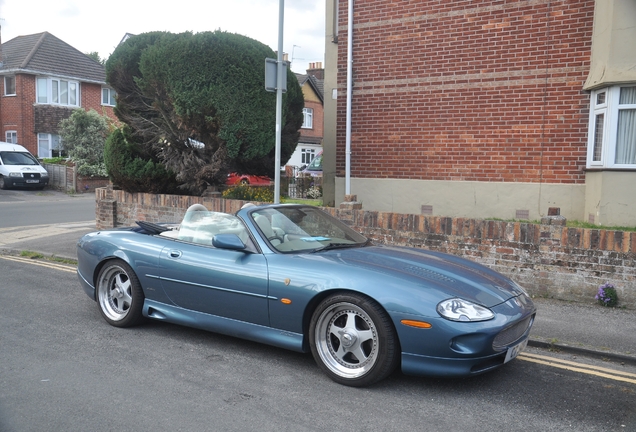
pixel 467 90
pixel 547 259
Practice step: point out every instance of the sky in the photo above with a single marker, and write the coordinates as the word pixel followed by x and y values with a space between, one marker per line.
pixel 90 26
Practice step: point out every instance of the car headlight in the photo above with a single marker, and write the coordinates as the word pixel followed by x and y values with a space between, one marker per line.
pixel 15 174
pixel 457 309
pixel 45 174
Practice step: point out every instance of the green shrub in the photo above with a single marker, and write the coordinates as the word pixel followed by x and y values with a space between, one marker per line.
pixel 250 193
pixel 132 170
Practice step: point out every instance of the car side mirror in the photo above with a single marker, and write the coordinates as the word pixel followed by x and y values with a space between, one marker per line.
pixel 228 241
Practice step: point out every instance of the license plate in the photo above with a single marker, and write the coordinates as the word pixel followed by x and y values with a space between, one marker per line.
pixel 33 181
pixel 515 350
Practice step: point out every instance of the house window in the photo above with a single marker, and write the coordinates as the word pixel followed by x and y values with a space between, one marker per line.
pixel 308 118
pixel 57 91
pixel 9 86
pixel 612 135
pixel 307 155
pixel 11 137
pixel 49 145
pixel 108 96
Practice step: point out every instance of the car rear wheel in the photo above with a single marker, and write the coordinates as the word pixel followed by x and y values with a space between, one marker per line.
pixel 119 294
pixel 353 340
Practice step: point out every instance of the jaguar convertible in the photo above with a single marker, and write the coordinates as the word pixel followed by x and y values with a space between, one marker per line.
pixel 294 277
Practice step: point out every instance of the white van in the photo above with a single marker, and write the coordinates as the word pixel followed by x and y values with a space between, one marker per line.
pixel 19 168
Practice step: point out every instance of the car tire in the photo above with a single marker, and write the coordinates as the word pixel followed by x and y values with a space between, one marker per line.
pixel 353 340
pixel 245 182
pixel 3 184
pixel 119 294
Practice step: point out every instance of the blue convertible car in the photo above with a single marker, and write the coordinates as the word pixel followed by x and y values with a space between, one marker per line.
pixel 295 277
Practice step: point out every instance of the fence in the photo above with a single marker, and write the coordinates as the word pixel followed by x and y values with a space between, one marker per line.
pixel 66 179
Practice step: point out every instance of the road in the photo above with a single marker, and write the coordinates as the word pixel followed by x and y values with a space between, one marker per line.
pixel 32 207
pixel 63 368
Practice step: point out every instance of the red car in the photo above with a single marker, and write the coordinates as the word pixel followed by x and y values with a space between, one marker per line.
pixel 247 179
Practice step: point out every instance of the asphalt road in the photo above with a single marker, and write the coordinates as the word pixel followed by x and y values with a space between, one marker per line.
pixel 63 368
pixel 33 207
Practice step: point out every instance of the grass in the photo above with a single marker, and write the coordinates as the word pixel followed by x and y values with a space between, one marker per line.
pixel 313 202
pixel 572 224
pixel 53 258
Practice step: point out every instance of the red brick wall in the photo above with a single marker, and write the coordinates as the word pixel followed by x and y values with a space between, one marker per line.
pixel 467 90
pixel 547 259
pixel 16 114
pixel 318 120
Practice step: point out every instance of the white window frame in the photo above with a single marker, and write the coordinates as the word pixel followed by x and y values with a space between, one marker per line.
pixel 8 77
pixel 307 155
pixel 308 118
pixel 58 91
pixel 108 96
pixel 47 143
pixel 11 137
pixel 604 113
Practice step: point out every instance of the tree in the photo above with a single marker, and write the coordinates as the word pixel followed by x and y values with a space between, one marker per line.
pixel 198 102
pixel 133 170
pixel 95 56
pixel 83 137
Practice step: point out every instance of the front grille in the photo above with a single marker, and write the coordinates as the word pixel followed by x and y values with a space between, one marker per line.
pixel 31 176
pixel 512 334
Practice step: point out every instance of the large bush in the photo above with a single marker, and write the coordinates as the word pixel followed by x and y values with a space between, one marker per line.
pixel 133 170
pixel 198 102
pixel 83 137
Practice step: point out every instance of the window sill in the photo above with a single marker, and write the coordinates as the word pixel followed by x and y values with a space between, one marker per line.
pixel 599 169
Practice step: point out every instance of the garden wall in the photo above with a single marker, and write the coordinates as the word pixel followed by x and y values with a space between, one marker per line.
pixel 548 259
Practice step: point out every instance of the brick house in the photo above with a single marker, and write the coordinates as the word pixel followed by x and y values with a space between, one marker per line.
pixel 483 108
pixel 311 131
pixel 43 80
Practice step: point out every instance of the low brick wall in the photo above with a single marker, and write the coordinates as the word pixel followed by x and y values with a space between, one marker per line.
pixel 547 259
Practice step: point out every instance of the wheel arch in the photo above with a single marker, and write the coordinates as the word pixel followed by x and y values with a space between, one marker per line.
pixel 318 298
pixel 117 255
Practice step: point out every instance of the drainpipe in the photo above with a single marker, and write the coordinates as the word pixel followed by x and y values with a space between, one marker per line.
pixel 349 94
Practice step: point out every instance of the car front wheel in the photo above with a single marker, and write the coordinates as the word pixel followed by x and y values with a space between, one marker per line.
pixel 119 294
pixel 352 340
pixel 3 184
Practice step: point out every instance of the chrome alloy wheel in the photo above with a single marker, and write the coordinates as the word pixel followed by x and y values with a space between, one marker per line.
pixel 347 340
pixel 115 293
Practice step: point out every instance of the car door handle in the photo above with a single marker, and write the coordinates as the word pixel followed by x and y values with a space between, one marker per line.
pixel 175 253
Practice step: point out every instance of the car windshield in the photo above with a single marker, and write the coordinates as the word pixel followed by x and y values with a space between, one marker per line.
pixel 316 164
pixel 17 158
pixel 304 228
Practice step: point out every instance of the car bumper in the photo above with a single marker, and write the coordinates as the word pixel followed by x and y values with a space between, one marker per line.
pixel 21 182
pixel 413 364
pixel 454 349
pixel 88 288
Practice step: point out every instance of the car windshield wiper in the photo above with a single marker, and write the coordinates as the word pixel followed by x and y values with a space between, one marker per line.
pixel 331 246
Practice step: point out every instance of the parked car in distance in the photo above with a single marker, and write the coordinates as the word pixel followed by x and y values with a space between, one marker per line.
pixel 247 179
pixel 19 168
pixel 314 168
pixel 295 277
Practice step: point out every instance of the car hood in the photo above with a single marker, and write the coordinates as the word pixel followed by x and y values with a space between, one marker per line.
pixel 450 275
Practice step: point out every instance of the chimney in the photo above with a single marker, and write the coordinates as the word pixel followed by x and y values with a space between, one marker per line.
pixel 316 70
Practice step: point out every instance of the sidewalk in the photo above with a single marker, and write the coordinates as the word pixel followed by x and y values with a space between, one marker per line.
pixel 583 329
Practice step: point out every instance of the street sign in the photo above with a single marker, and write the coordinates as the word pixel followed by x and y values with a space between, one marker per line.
pixel 271 70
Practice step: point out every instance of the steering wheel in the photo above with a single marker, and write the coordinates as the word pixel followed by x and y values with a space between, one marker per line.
pixel 275 237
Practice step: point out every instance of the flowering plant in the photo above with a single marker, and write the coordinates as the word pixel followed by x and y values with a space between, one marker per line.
pixel 606 295
pixel 314 192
